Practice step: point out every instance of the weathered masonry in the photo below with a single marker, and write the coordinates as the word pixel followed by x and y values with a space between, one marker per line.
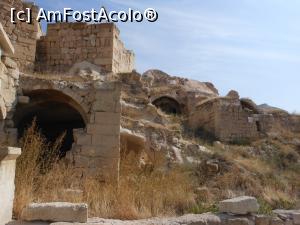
pixel 76 77
pixel 65 85
pixel 89 112
pixel 23 36
pixel 230 119
pixel 68 43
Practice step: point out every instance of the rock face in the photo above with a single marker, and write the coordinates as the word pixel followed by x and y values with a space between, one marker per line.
pixel 56 212
pixel 240 206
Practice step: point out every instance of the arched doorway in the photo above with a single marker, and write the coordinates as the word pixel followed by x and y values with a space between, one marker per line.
pixel 167 105
pixel 55 114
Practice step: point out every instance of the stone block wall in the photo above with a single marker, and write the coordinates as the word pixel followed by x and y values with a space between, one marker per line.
pixel 233 123
pixel 228 120
pixel 22 35
pixel 66 44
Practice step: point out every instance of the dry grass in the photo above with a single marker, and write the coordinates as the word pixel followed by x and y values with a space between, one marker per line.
pixel 40 177
pixel 268 169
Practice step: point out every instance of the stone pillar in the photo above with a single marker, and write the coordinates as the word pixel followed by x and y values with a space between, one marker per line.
pixel 8 156
pixel 96 149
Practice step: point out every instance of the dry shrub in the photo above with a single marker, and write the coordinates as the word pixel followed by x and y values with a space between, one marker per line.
pixel 37 158
pixel 27 168
pixel 140 193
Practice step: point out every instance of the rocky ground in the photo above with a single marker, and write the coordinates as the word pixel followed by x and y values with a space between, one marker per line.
pixel 237 211
pixel 190 219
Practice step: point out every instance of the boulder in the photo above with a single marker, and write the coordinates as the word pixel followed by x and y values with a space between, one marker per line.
pixel 241 206
pixel 56 212
pixel 296 218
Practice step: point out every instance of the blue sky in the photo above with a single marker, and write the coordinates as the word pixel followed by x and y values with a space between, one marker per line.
pixel 252 46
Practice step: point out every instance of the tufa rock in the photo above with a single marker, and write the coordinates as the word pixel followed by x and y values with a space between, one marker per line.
pixel 8 62
pixel 233 94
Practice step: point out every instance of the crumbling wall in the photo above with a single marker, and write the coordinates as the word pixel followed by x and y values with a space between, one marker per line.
pixel 22 35
pixel 204 118
pixel 66 44
pixel 228 120
pixel 123 59
pixel 233 123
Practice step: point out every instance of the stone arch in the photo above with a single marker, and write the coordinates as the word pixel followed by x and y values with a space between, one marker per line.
pixel 168 105
pixel 64 91
pixel 55 113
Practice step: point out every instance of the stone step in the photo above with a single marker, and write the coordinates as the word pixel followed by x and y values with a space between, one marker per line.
pixel 56 212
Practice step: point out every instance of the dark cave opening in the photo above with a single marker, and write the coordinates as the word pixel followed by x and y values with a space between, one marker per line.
pixel 53 118
pixel 167 105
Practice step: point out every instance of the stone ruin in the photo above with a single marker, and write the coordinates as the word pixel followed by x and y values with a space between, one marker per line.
pixel 80 78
